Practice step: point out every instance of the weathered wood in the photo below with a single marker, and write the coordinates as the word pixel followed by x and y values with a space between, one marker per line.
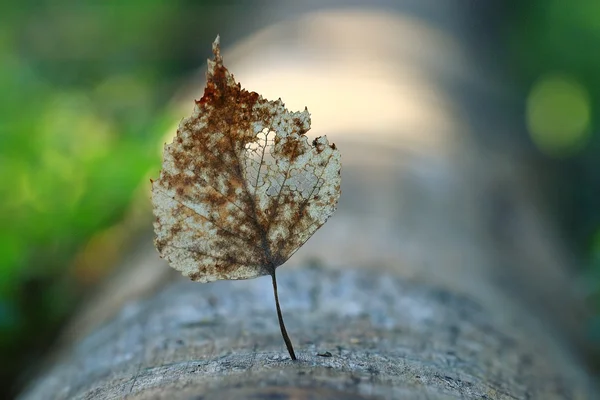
pixel 378 336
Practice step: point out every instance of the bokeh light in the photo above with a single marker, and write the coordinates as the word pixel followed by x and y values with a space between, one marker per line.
pixel 559 115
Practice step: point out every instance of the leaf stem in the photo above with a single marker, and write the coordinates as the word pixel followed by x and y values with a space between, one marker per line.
pixel 286 338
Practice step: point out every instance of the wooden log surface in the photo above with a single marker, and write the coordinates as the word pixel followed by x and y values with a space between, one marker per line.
pixel 440 276
pixel 371 335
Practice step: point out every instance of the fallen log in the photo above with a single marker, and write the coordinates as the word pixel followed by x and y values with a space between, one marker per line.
pixel 438 277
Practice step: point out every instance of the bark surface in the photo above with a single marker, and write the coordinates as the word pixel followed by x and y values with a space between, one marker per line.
pixel 357 333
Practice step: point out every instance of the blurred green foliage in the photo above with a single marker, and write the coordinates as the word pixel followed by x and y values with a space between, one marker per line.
pixel 83 93
pixel 558 38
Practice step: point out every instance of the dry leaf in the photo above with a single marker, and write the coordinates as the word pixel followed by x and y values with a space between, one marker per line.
pixel 241 188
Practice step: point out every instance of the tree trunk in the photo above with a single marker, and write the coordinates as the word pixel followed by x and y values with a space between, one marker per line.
pixel 437 278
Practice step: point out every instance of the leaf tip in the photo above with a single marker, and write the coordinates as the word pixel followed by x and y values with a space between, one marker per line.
pixel 216 48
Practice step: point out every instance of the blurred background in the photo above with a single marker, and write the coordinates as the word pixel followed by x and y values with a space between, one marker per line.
pixel 89 92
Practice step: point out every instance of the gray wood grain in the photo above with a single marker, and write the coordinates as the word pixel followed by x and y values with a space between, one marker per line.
pixel 382 337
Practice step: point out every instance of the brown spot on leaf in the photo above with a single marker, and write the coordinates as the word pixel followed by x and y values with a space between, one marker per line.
pixel 241 187
pixel 195 276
